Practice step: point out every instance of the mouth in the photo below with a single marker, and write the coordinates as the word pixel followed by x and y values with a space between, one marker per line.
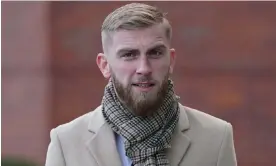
pixel 143 85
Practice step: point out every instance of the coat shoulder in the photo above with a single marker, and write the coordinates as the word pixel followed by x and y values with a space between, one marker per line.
pixel 204 120
pixel 209 136
pixel 205 127
pixel 77 125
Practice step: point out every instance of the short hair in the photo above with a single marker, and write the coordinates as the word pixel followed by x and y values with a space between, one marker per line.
pixel 135 16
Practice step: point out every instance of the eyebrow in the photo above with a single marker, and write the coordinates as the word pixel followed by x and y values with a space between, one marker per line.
pixel 158 46
pixel 124 50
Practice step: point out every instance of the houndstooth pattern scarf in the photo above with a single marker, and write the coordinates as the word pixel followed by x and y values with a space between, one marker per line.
pixel 146 138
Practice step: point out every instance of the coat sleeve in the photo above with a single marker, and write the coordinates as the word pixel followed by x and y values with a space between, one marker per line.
pixel 54 155
pixel 227 154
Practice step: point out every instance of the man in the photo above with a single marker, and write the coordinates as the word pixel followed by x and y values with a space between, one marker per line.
pixel 140 121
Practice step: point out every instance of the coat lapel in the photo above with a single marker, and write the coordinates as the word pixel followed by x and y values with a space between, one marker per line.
pixel 102 145
pixel 180 142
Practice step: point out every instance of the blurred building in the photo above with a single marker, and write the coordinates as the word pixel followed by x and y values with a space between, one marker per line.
pixel 226 66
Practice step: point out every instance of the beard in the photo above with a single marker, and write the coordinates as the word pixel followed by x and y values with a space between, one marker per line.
pixel 141 103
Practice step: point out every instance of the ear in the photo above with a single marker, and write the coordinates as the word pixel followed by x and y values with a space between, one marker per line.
pixel 172 59
pixel 103 65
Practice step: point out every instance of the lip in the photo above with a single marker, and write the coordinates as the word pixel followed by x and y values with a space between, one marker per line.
pixel 143 89
pixel 144 83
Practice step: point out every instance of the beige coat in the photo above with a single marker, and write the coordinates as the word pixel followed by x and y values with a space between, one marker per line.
pixel 199 140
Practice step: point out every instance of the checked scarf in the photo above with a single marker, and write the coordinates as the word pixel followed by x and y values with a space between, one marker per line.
pixel 146 138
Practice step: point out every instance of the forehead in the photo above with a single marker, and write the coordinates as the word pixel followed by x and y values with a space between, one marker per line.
pixel 140 38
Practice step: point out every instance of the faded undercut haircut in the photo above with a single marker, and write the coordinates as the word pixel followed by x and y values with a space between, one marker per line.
pixel 133 16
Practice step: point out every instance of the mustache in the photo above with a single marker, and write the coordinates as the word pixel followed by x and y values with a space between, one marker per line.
pixel 144 79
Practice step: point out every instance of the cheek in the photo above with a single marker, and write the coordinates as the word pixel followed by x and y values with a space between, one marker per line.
pixel 161 69
pixel 123 72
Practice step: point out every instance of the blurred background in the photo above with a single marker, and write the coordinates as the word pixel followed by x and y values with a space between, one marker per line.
pixel 226 66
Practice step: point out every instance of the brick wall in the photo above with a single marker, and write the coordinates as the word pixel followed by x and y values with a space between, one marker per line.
pixel 26 79
pixel 226 66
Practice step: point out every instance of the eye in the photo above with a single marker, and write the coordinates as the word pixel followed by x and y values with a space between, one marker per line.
pixel 128 55
pixel 156 53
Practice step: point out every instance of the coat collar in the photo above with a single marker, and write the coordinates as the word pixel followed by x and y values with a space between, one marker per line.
pixel 180 142
pixel 102 145
pixel 103 148
pixel 97 120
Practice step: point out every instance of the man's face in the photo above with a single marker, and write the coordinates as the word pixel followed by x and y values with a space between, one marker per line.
pixel 140 63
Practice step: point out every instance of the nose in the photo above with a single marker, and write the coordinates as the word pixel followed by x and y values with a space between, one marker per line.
pixel 144 67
